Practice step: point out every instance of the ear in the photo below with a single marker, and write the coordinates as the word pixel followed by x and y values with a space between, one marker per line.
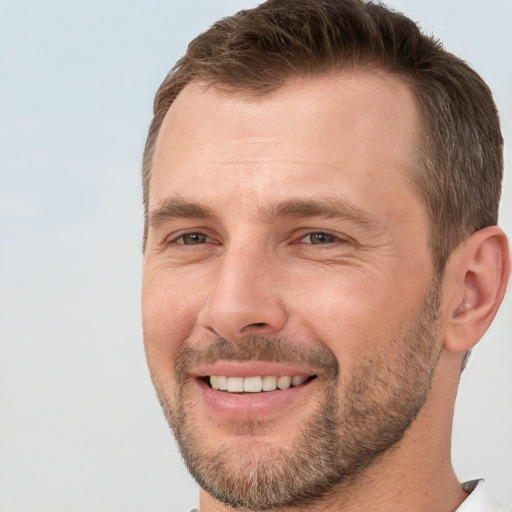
pixel 474 284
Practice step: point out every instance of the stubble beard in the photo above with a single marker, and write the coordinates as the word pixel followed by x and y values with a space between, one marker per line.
pixel 354 423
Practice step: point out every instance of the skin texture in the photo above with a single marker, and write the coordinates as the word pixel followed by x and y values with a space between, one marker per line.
pixel 239 265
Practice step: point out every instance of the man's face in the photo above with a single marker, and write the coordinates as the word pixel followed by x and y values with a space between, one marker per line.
pixel 286 243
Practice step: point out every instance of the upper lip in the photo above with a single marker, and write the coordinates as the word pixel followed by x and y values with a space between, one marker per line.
pixel 250 369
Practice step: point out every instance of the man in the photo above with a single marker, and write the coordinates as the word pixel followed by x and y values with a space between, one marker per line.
pixel 321 185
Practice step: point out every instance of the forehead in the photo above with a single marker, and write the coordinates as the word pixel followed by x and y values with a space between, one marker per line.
pixel 346 131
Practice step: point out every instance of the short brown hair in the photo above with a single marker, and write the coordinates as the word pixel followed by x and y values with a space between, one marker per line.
pixel 460 154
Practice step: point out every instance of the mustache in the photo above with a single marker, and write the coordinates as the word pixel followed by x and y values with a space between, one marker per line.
pixel 258 348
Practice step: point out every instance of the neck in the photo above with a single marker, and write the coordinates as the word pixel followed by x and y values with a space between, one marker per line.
pixel 416 474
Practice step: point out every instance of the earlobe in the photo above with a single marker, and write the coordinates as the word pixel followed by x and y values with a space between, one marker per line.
pixel 474 285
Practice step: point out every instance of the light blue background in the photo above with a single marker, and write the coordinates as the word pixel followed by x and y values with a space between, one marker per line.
pixel 80 428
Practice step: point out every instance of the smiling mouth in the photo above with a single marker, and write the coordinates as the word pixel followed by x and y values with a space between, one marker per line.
pixel 255 384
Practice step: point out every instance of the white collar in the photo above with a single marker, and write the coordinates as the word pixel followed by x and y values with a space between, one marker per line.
pixel 479 499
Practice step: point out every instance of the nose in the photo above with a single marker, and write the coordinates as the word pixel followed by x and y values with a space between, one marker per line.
pixel 245 297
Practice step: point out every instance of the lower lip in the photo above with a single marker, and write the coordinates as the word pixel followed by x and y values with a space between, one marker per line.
pixel 246 406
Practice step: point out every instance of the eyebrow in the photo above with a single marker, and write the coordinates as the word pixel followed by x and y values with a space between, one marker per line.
pixel 175 208
pixel 326 207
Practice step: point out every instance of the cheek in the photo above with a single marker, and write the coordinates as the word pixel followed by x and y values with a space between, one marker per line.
pixel 169 315
pixel 354 314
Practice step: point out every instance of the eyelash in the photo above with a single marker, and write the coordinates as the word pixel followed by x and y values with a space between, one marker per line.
pixel 334 238
pixel 189 234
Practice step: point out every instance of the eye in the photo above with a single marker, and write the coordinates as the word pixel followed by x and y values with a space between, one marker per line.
pixel 192 239
pixel 320 238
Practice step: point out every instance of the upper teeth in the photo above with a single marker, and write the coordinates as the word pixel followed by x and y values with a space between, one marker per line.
pixel 254 384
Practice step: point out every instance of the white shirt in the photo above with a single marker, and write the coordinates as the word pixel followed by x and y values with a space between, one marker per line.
pixel 479 499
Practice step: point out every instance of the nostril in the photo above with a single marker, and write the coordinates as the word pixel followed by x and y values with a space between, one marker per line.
pixel 257 328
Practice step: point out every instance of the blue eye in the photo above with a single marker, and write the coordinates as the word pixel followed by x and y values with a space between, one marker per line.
pixel 320 238
pixel 192 239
